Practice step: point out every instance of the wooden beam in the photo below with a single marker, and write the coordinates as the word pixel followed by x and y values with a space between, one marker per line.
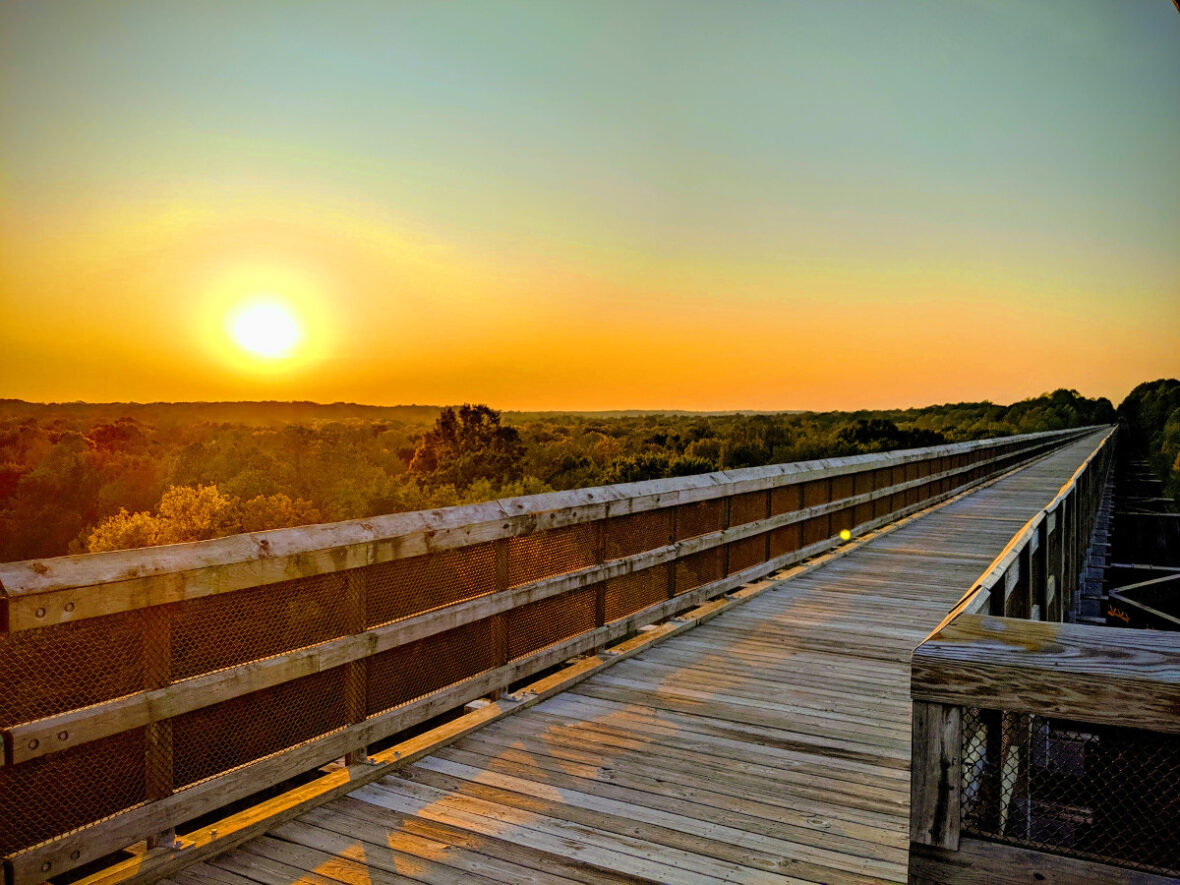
pixel 1104 675
pixel 991 863
pixel 936 775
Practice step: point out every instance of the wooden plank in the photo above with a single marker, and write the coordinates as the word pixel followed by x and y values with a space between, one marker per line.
pixel 990 863
pixel 936 765
pixel 1128 678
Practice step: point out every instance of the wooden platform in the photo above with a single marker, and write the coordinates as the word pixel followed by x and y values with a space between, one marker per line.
pixel 769 745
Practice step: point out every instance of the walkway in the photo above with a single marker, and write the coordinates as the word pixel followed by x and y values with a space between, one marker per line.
pixel 769 745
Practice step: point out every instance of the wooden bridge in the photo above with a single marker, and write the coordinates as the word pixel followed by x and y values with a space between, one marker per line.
pixel 690 680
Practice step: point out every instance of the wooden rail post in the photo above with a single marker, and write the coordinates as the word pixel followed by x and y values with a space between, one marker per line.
pixel 157 673
pixel 1027 593
pixel 726 510
pixel 936 775
pixel 600 587
pixel 356 673
pixel 673 528
pixel 500 621
pixel 766 535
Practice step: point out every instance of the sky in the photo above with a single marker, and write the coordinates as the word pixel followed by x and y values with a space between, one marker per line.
pixel 590 205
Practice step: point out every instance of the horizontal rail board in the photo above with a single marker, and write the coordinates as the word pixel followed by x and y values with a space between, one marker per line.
pixel 1128 678
pixel 45 592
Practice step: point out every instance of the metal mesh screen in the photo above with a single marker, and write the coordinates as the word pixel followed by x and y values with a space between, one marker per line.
pixel 747 507
pixel 54 794
pixel 553 552
pixel 698 569
pixel 747 552
pixel 786 499
pixel 1098 792
pixel 817 529
pixel 419 584
pixel 224 736
pixel 539 624
pixel 214 632
pixel 636 532
pixel 41 668
pixel 637 590
pixel 821 491
pixel 698 519
pixel 786 539
pixel 410 671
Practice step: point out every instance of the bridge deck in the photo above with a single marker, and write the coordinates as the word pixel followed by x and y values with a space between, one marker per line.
pixel 770 745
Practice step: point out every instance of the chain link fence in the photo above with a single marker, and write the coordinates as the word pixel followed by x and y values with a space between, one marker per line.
pixel 1096 792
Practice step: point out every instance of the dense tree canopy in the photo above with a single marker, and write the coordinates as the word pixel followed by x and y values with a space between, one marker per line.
pixel 78 477
pixel 1151 415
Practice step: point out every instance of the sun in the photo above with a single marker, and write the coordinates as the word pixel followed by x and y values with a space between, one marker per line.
pixel 265 326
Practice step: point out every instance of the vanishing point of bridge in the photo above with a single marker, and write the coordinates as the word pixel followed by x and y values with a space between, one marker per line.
pixel 851 670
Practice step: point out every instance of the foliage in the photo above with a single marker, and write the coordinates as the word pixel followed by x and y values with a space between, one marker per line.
pixel 1151 416
pixel 466 446
pixel 79 476
pixel 198 513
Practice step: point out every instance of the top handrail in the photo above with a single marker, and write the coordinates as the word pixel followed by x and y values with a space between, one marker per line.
pixel 971 600
pixel 447 525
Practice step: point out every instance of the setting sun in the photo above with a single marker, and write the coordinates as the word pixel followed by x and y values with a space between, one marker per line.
pixel 265 327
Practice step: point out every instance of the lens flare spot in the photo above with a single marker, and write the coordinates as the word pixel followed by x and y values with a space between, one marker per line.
pixel 845 535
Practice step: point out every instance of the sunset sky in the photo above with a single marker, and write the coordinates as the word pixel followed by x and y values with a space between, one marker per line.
pixel 590 205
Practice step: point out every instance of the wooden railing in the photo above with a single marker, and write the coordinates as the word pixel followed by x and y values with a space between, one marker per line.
pixel 1020 721
pixel 142 689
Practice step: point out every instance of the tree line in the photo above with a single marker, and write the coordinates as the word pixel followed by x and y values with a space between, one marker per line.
pixel 89 477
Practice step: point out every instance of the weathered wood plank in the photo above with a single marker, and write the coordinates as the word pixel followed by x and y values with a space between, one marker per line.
pixel 936 764
pixel 1128 678
pixel 988 863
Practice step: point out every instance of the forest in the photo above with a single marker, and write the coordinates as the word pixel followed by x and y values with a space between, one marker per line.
pixel 82 477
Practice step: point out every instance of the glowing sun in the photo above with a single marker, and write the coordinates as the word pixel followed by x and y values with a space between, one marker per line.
pixel 265 326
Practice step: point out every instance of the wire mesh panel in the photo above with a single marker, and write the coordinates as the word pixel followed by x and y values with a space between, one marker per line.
pixel 747 507
pixel 410 671
pixel 636 532
pixel 405 587
pixel 547 621
pixel 552 552
pixel 696 519
pixel 786 499
pixel 214 632
pixel 51 795
pixel 1099 792
pixel 746 553
pixel 69 665
pixel 786 539
pixel 817 529
pixel 698 569
pixel 821 491
pixel 630 593
pixel 223 736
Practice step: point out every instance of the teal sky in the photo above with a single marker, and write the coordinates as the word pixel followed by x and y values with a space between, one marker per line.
pixel 875 172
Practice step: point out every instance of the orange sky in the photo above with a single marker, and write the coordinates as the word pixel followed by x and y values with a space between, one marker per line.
pixel 566 212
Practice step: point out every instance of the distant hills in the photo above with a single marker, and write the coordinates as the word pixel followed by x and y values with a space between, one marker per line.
pixel 273 412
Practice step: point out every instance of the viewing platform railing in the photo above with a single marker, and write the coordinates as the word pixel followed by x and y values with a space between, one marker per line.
pixel 142 689
pixel 1045 751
